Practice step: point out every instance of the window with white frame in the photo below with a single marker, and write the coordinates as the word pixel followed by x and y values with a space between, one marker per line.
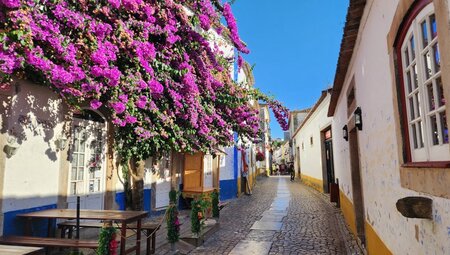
pixel 423 89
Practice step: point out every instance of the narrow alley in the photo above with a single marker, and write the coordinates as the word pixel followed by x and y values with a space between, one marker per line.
pixel 281 217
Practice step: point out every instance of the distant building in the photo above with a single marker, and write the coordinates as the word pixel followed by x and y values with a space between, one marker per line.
pixel 313 146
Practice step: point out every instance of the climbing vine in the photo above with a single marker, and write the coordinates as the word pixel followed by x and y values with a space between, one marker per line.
pixel 107 244
pixel 173 223
pixel 160 71
pixel 198 217
pixel 215 203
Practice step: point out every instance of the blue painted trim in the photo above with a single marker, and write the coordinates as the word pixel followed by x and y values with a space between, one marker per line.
pixel 13 225
pixel 120 200
pixel 228 189
pixel 147 199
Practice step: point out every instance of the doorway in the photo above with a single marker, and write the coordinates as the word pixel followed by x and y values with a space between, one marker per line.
pixel 329 164
pixel 87 161
pixel 357 189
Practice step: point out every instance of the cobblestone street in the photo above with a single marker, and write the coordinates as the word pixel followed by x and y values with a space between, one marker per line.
pixel 281 217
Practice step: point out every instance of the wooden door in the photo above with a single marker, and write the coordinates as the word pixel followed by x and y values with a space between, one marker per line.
pixel 193 171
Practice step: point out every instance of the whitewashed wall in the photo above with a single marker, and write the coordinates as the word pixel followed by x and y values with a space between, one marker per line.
pixel 311 155
pixel 227 164
pixel 32 174
pixel 377 144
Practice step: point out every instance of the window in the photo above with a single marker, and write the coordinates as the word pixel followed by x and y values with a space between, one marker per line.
pixel 311 141
pixel 423 99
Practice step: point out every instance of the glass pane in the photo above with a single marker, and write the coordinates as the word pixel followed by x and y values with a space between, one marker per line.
pixel 433 26
pixel 81 160
pixel 423 26
pixel 73 174
pixel 76 145
pixel 414 135
pixel 417 106
pixel 431 101
pixel 427 62
pixel 440 92
pixel 420 140
pixel 408 81
pixel 413 48
pixel 444 127
pixel 73 188
pixel 436 58
pixel 82 145
pixel 74 159
pixel 406 54
pixel 91 186
pixel 415 79
pixel 80 173
pixel 411 108
pixel 434 130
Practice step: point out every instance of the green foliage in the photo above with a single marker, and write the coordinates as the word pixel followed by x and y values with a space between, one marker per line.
pixel 173 196
pixel 198 211
pixel 173 224
pixel 215 203
pixel 106 235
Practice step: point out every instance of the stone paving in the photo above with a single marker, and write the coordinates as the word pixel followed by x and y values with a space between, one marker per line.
pixel 281 217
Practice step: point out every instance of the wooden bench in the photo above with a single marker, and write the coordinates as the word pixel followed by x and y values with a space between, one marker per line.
pixel 149 228
pixel 48 242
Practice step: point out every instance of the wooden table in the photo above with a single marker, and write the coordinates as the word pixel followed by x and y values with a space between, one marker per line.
pixel 123 217
pixel 19 250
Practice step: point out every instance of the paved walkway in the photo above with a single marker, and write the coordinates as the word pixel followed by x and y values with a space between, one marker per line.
pixel 281 217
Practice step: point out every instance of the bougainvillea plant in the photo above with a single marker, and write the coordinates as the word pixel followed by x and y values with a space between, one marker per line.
pixel 153 67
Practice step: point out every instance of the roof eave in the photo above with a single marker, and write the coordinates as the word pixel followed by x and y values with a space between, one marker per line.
pixel 352 25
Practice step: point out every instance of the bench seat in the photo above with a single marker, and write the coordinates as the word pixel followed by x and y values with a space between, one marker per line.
pixel 48 242
pixel 149 227
pixel 96 224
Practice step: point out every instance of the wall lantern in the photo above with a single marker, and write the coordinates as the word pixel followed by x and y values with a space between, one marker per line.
pixel 61 143
pixel 358 118
pixel 11 147
pixel 345 132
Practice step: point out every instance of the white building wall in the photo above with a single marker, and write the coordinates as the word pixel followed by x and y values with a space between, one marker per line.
pixel 227 165
pixel 32 174
pixel 378 149
pixel 311 155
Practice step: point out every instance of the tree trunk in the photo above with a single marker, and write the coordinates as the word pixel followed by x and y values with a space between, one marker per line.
pixel 137 170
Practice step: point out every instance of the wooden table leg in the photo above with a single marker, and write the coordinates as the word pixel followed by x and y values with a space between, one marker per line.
pixel 138 237
pixel 123 234
pixel 28 226
pixel 148 242
pixel 153 242
pixel 49 228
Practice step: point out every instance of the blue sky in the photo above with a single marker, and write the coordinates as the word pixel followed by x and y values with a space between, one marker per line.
pixel 295 46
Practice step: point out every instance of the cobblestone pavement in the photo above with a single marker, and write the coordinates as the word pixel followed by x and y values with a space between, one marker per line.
pixel 310 224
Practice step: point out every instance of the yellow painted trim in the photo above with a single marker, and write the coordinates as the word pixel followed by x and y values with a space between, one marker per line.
pixel 348 211
pixel 374 244
pixel 313 182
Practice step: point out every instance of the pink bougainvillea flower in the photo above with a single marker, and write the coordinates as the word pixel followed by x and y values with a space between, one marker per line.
pixel 95 104
pixel 11 3
pixel 156 87
pixel 118 107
